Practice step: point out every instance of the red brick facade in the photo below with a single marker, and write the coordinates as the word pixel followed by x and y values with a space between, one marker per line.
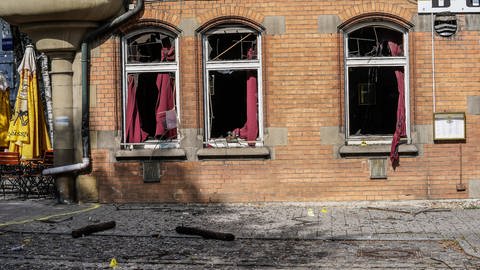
pixel 303 92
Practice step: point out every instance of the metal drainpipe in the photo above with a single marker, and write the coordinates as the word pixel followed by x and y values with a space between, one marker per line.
pixel 86 91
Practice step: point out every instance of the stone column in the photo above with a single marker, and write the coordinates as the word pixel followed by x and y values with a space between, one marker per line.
pixel 61 79
pixel 61 41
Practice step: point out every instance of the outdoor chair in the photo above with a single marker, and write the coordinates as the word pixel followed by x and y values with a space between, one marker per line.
pixel 33 181
pixel 47 159
pixel 39 184
pixel 25 177
pixel 11 171
pixel 46 182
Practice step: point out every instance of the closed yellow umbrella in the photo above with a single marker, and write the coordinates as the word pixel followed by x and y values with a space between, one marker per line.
pixel 4 110
pixel 27 132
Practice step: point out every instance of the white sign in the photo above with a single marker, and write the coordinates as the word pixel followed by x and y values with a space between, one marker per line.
pixel 454 6
pixel 449 126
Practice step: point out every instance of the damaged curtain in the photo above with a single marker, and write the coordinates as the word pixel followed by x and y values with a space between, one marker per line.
pixel 165 107
pixel 134 132
pixel 138 127
pixel 400 127
pixel 249 131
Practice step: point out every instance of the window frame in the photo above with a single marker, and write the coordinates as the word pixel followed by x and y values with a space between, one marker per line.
pixel 211 65
pixel 399 61
pixel 160 67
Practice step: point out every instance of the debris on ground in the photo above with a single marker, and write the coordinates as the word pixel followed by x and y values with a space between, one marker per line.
pixel 54 220
pixel 414 213
pixel 89 229
pixel 205 233
pixel 17 248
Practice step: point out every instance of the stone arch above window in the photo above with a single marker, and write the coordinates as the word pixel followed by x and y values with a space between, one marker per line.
pixel 149 23
pixel 379 17
pixel 374 9
pixel 226 21
pixel 225 12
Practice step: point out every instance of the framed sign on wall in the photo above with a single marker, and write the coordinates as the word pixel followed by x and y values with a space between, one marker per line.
pixel 449 126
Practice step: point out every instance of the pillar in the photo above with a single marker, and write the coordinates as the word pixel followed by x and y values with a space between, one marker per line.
pixel 62 95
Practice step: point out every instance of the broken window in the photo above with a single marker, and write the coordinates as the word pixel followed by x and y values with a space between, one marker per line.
pixel 232 87
pixel 149 91
pixel 373 100
pixel 376 84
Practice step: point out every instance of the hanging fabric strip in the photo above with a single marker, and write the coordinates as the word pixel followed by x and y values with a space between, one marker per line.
pixel 400 127
pixel 134 132
pixel 165 106
pixel 165 101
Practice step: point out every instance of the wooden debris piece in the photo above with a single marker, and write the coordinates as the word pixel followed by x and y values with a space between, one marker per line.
pixel 89 229
pixel 414 213
pixel 205 233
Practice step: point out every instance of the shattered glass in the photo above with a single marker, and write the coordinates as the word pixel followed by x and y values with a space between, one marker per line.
pixel 231 46
pixel 373 41
pixel 147 48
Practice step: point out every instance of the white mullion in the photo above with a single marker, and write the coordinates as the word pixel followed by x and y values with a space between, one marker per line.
pixel 406 71
pixel 151 68
pixel 236 65
pixel 124 87
pixel 177 86
pixel 390 61
pixel 346 94
pixel 206 87
pixel 346 97
pixel 208 116
pixel 260 89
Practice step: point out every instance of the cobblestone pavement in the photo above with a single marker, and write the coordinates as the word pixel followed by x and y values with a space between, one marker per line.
pixel 36 234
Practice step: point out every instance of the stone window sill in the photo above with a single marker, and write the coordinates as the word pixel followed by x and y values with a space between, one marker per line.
pixel 151 154
pixel 376 150
pixel 234 153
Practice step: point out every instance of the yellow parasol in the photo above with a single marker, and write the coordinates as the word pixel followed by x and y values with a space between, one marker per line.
pixel 27 132
pixel 4 110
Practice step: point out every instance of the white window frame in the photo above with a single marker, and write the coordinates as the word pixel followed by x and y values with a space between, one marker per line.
pixel 401 61
pixel 160 67
pixel 209 65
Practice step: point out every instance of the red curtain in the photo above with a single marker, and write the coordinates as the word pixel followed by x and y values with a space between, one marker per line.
pixel 165 103
pixel 400 127
pixel 166 99
pixel 165 116
pixel 134 133
pixel 250 130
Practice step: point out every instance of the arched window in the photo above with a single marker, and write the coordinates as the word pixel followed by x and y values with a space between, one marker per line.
pixel 232 86
pixel 150 88
pixel 376 83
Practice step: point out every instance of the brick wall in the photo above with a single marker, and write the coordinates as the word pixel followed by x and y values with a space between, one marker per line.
pixel 303 92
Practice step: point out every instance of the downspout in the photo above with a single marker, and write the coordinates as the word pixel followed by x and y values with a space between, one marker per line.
pixel 86 91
